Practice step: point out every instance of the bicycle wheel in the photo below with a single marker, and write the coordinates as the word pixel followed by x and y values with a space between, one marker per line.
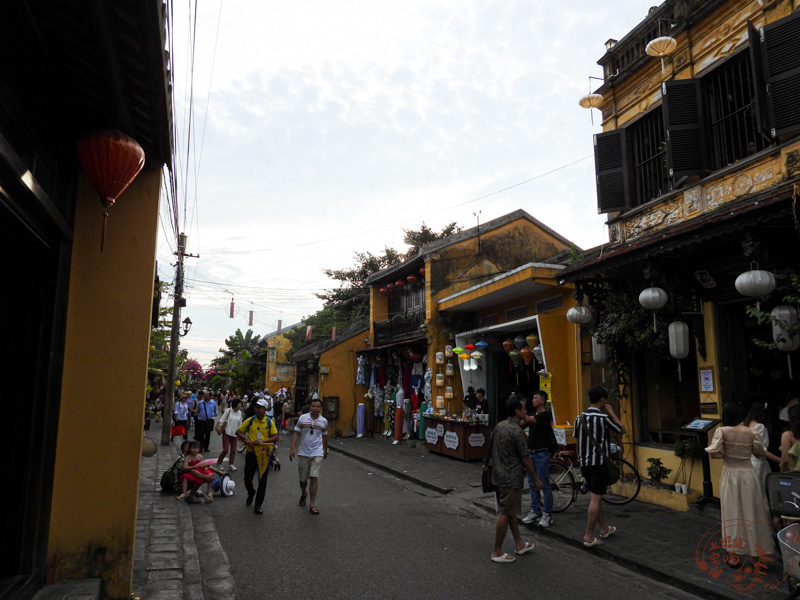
pixel 240 446
pixel 627 488
pixel 563 483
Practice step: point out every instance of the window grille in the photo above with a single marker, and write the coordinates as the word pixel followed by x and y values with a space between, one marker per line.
pixel 549 304
pixel 488 320
pixel 649 152
pixel 512 314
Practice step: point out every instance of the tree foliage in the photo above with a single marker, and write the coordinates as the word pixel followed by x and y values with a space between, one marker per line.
pixel 416 238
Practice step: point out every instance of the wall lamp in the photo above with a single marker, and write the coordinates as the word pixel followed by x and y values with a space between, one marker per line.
pixel 187 325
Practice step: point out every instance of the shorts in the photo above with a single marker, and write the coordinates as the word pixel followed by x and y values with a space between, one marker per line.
pixel 308 466
pixel 596 477
pixel 509 501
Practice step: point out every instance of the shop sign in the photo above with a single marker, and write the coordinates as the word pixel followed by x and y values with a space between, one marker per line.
pixel 431 436
pixel 561 436
pixel 477 440
pixel 440 430
pixel 451 440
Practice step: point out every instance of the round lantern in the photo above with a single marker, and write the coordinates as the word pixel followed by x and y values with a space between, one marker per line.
pixel 422 272
pixel 469 347
pixel 482 346
pixel 412 279
pixel 477 355
pixel 111 160
pixel 464 356
pixel 519 342
pixel 400 283
pixel 458 350
pixel 755 283
pixel 508 345
pixel 538 354
pixel 515 357
pixel 383 291
pixel 532 340
pixel 414 357
pixel 527 355
pixel 390 286
pixel 599 352
pixel 149 447
pixel 783 339
pixel 579 315
pixel 653 298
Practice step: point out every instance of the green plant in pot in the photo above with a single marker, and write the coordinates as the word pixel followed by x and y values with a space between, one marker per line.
pixel 657 472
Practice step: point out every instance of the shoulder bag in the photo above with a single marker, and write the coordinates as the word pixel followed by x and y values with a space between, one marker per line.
pixel 486 475
pixel 611 469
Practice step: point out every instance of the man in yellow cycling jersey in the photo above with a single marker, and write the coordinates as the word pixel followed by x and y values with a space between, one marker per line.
pixel 260 434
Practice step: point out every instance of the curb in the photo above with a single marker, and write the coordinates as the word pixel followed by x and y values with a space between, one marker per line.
pixel 396 473
pixel 639 567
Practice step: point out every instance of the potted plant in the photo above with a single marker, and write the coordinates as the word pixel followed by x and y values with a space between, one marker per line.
pixel 686 449
pixel 657 471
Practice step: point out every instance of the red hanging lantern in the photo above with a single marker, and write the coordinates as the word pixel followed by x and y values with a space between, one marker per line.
pixel 469 347
pixel 412 279
pixel 383 291
pixel 390 286
pixel 422 272
pixel 111 160
pixel 400 283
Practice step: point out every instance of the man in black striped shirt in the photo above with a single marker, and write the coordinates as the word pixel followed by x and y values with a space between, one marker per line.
pixel 600 419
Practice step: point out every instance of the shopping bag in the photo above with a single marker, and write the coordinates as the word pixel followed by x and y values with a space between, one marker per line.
pixel 178 430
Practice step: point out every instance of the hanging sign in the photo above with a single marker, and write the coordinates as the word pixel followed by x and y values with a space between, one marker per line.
pixel 451 440
pixel 561 436
pixel 477 440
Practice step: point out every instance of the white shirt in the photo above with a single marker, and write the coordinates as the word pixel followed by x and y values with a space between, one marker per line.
pixel 232 421
pixel 311 432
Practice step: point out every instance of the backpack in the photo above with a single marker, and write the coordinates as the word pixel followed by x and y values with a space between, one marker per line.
pixel 171 479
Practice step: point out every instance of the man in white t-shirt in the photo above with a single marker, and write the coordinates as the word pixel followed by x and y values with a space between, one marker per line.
pixel 312 431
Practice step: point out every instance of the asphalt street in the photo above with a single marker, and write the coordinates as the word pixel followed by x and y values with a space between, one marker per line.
pixel 382 537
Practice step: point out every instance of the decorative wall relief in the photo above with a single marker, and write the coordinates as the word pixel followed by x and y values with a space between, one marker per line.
pixel 717 194
pixel 691 202
pixel 615 233
pixel 659 217
pixel 742 184
pixel 792 163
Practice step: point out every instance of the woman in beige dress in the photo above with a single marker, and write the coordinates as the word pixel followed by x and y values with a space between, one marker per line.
pixel 745 519
pixel 755 420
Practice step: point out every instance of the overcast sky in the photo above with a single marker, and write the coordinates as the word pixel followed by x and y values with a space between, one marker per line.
pixel 323 128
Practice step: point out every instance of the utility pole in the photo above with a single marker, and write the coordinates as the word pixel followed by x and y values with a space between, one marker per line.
pixel 166 422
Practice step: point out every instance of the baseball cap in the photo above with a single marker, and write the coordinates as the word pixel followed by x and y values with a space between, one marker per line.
pixel 263 403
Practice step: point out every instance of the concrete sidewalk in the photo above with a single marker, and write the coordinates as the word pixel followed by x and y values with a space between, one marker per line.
pixel 669 546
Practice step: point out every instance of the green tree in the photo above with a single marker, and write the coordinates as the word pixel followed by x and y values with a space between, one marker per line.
pixel 416 238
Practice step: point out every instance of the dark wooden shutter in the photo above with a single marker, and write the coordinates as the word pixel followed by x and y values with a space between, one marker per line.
pixel 780 51
pixel 683 120
pixel 611 169
pixel 759 85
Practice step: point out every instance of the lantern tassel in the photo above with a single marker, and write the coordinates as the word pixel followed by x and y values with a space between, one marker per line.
pixel 654 323
pixel 603 369
pixel 103 235
pixel 679 371
pixel 789 362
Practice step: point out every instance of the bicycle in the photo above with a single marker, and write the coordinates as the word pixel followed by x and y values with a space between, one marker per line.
pixel 567 481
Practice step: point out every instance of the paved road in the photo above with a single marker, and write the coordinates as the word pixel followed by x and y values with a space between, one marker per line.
pixel 381 537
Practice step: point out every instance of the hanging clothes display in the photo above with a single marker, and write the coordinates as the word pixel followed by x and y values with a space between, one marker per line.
pixel 361 371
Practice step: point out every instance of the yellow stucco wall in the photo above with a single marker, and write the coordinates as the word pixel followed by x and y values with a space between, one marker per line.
pixel 285 377
pixel 341 381
pixel 96 471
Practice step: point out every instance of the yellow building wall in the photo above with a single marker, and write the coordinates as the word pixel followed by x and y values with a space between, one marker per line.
pixel 282 345
pixel 341 381
pixel 97 465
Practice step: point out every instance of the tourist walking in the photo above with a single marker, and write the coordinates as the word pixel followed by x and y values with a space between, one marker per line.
pixel 312 433
pixel 260 434
pixel 230 420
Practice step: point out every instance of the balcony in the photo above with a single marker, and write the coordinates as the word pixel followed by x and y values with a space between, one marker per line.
pixel 403 326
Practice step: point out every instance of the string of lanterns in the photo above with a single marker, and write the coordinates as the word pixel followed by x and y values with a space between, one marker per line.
pixel 401 283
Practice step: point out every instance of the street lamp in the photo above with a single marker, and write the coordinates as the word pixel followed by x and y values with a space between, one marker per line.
pixel 187 325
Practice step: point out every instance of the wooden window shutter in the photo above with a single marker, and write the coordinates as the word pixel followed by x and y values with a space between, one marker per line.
pixel 683 120
pixel 759 84
pixel 780 53
pixel 612 172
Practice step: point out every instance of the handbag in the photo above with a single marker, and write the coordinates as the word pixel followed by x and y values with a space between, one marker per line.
pixel 486 475
pixel 612 472
pixel 220 427
pixel 178 430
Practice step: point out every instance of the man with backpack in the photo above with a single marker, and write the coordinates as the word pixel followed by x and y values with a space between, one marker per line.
pixel 260 435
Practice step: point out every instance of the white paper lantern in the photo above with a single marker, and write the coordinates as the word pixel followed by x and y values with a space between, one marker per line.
pixel 473 364
pixel 538 354
pixel 476 355
pixel 678 339
pixel 755 283
pixel 783 340
pixel 599 352
pixel 579 314
pixel 653 298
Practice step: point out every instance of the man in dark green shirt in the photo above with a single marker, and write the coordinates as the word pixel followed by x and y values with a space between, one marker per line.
pixel 509 457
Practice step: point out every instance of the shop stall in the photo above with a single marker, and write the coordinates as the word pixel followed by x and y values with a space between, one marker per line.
pixel 462 439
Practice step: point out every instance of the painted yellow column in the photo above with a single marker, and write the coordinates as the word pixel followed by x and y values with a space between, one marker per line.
pixel 96 471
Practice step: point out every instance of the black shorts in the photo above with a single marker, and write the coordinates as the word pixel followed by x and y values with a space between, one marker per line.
pixel 596 477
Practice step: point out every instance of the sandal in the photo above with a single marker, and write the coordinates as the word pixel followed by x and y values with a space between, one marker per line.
pixel 181 497
pixel 209 497
pixel 303 500
pixel 313 510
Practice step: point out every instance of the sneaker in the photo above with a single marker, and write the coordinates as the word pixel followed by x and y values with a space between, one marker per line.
pixel 546 520
pixel 232 468
pixel 531 517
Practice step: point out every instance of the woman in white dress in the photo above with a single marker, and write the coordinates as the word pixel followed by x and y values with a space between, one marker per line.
pixel 745 519
pixel 755 420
